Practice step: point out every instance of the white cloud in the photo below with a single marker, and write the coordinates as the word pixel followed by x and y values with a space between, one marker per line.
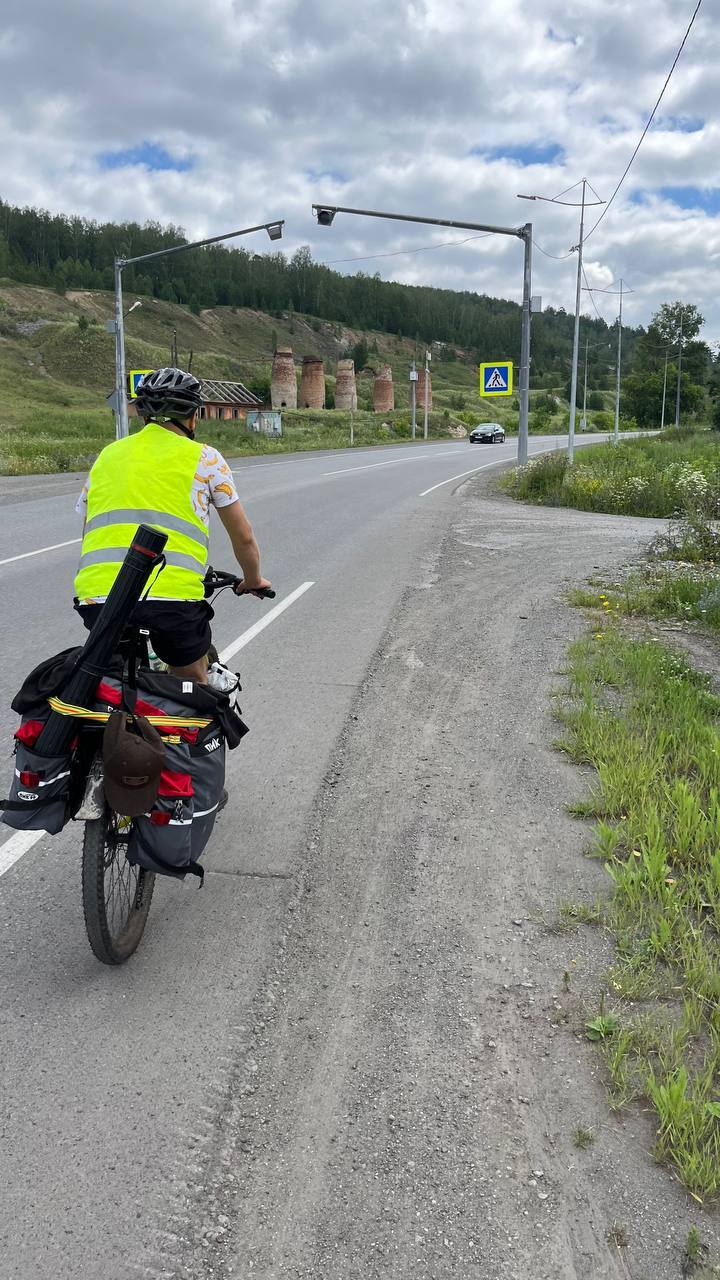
pixel 281 103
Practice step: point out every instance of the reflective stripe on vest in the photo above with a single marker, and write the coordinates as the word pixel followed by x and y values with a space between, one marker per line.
pixel 145 478
pixel 141 515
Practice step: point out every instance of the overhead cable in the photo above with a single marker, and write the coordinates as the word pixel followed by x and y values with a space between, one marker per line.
pixel 649 122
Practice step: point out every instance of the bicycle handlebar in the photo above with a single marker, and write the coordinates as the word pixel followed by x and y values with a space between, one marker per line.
pixel 217 578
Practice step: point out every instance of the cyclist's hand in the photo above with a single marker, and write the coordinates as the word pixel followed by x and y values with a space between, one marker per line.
pixel 252 588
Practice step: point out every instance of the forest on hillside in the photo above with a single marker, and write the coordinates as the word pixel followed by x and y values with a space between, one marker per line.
pixel 67 252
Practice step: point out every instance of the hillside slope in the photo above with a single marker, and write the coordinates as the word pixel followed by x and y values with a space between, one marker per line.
pixel 57 367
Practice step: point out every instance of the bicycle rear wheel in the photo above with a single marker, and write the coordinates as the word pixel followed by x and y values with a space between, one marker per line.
pixel 116 895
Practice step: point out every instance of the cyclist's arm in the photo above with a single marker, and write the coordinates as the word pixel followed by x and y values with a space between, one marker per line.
pixel 247 553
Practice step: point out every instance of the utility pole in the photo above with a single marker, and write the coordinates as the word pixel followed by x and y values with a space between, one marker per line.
pixel 677 397
pixel 583 421
pixel 576 332
pixel 428 358
pixel 662 416
pixel 584 203
pixel 616 434
pixel 413 398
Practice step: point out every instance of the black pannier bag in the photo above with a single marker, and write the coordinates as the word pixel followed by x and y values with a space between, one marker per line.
pixel 42 786
pixel 197 725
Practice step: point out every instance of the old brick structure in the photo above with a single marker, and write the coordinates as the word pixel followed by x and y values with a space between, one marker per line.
pixel 384 390
pixel 345 388
pixel 312 383
pixel 283 390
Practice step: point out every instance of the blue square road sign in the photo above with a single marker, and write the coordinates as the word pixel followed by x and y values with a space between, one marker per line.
pixel 496 378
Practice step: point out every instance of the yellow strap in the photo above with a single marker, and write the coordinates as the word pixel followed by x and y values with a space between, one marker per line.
pixel 161 722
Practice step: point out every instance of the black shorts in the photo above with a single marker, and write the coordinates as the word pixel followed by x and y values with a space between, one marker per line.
pixel 179 629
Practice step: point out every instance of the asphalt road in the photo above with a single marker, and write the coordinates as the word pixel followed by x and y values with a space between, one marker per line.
pixel 111 1076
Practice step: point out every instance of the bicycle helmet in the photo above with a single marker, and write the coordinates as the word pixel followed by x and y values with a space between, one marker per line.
pixel 168 395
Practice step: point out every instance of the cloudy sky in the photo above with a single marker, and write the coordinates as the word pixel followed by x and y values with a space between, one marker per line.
pixel 226 113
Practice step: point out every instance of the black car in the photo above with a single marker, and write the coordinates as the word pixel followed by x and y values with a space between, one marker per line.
pixel 487 433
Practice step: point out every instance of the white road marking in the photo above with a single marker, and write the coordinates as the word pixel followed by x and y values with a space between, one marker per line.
pixel 450 479
pixel 544 449
pixel 230 650
pixel 325 457
pixel 14 848
pixel 41 550
pixel 370 466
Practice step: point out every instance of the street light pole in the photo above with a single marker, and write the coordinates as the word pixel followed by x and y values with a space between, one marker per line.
pixel 274 230
pixel 677 396
pixel 428 358
pixel 525 347
pixel 662 416
pixel 583 421
pixel 413 398
pixel 616 432
pixel 325 214
pixel 576 332
pixel 584 203
pixel 121 414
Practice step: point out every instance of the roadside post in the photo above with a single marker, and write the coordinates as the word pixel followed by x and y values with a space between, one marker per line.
pixel 325 214
pixel 413 398
pixel 428 358
pixel 118 400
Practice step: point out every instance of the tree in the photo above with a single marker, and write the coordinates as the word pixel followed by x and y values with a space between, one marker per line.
pixel 642 396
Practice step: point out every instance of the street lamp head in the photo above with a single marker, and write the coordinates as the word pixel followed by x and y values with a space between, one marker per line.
pixel 324 215
pixel 520 196
pixel 275 230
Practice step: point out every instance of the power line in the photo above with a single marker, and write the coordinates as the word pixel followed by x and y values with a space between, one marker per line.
pixel 555 256
pixel 589 290
pixel 650 120
pixel 399 253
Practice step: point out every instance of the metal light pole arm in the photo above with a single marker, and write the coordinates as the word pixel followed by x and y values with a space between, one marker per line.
pixel 431 222
pixel 200 244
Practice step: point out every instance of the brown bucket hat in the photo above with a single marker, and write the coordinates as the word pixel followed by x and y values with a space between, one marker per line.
pixel 133 758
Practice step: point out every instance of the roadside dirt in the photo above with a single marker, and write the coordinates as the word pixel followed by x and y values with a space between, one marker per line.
pixel 417 1068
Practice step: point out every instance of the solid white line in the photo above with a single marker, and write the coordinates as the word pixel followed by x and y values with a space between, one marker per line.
pixel 16 846
pixel 231 649
pixel 370 466
pixel 315 456
pixel 531 453
pixel 471 472
pixel 40 550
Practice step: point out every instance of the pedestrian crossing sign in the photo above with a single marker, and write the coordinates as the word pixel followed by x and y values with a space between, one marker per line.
pixel 496 378
pixel 134 377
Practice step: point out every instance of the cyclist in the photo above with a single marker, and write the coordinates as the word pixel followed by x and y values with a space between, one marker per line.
pixel 164 477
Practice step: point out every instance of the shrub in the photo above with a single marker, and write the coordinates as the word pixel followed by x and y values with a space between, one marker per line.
pixel 595 400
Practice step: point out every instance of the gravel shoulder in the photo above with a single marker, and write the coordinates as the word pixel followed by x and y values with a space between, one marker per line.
pixel 416 1069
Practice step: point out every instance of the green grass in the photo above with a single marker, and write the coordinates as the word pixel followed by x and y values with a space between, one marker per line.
pixel 650 726
pixel 658 476
pixel 679 579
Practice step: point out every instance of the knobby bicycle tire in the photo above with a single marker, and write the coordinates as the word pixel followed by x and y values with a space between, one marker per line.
pixel 116 896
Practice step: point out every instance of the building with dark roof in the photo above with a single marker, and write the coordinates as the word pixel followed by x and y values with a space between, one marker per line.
pixel 226 399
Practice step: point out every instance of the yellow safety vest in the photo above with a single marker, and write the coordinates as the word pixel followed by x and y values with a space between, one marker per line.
pixel 145 478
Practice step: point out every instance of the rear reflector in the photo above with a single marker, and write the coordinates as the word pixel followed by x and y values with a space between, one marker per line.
pixel 28 778
pixel 159 819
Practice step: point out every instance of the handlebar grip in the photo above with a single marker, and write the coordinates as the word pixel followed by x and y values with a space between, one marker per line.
pixel 264 593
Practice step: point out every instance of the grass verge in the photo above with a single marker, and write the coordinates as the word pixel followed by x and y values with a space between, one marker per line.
pixel 650 726
pixel 656 476
pixel 679 578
